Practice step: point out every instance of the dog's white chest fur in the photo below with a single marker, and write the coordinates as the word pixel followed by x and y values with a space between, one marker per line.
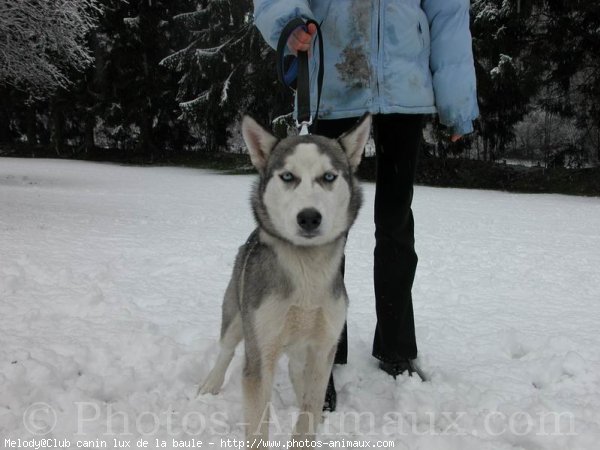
pixel 314 310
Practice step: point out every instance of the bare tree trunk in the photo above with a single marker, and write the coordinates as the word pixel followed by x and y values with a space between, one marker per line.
pixel 598 146
pixel 57 128
pixel 486 148
pixel 546 142
pixel 31 126
pixel 4 126
pixel 146 145
pixel 88 136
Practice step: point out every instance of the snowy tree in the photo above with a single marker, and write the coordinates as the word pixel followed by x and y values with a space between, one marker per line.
pixel 133 107
pixel 505 83
pixel 124 101
pixel 42 41
pixel 226 68
pixel 549 137
pixel 569 39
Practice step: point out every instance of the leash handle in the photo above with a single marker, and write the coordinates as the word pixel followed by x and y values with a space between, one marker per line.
pixel 298 71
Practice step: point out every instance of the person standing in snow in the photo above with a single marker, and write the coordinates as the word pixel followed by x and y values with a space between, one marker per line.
pixel 398 60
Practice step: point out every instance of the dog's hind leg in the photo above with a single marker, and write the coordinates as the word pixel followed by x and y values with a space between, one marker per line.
pixel 316 377
pixel 231 335
pixel 227 344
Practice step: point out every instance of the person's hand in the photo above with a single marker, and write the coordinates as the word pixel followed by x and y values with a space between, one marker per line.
pixel 300 40
pixel 455 137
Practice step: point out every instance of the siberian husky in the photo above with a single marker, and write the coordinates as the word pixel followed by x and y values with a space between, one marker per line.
pixel 287 293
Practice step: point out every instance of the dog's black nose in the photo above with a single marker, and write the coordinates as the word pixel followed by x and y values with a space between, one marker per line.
pixel 309 219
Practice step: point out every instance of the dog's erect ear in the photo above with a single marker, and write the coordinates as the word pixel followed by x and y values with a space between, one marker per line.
pixel 353 142
pixel 258 140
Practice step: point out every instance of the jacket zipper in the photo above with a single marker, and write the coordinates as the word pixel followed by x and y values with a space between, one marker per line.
pixel 379 54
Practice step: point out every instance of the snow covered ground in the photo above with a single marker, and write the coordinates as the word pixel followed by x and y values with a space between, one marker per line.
pixel 111 280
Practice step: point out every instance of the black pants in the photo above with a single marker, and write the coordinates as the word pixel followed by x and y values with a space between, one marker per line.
pixel 397 140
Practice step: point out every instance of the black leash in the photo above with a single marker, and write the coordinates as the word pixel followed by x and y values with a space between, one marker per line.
pixel 293 72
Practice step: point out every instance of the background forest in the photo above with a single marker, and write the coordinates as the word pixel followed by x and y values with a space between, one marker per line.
pixel 154 80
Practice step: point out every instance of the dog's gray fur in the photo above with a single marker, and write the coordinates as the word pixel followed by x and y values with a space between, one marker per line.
pixel 287 293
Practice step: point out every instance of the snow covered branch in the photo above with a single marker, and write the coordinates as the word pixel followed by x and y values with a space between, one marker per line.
pixel 41 41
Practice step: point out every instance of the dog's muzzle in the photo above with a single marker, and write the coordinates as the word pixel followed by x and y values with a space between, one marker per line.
pixel 309 220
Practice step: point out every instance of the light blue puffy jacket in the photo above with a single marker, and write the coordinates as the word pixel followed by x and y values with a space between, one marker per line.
pixel 387 56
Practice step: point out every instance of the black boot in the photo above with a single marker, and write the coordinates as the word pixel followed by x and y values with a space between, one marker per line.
pixel 400 367
pixel 330 396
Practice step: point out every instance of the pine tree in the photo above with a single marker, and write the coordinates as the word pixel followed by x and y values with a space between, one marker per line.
pixel 138 110
pixel 505 82
pixel 226 69
pixel 569 38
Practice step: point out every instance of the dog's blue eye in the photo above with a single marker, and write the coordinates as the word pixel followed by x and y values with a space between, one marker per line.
pixel 329 177
pixel 287 177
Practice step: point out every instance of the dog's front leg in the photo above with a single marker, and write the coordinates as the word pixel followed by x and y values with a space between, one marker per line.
pixel 317 370
pixel 257 384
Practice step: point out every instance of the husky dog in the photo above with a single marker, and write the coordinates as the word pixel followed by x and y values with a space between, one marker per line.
pixel 287 294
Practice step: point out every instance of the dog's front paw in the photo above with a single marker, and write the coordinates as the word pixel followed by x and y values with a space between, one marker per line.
pixel 212 385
